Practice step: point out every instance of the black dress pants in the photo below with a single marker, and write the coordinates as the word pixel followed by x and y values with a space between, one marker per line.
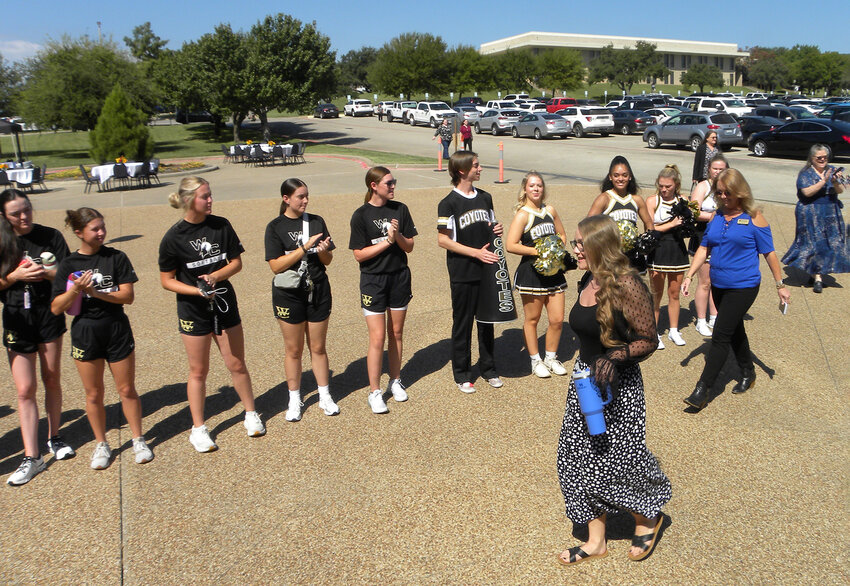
pixel 732 305
pixel 464 306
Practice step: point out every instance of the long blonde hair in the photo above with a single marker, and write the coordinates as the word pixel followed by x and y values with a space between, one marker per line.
pixel 608 264
pixel 735 184
pixel 522 199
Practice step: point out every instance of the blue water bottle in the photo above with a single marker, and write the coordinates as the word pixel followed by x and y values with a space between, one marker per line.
pixel 590 401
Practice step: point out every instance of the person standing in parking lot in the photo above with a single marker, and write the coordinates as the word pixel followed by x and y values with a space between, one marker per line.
pixel 466 135
pixel 705 152
pixel 444 133
pixel 380 111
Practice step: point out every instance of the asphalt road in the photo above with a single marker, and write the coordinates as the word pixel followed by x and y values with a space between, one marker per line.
pixel 570 160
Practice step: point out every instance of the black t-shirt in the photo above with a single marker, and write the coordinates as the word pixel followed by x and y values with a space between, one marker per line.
pixel 368 227
pixel 468 220
pixel 193 250
pixel 283 235
pixel 40 239
pixel 110 268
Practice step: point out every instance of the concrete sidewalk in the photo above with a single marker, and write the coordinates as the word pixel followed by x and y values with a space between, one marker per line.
pixel 446 488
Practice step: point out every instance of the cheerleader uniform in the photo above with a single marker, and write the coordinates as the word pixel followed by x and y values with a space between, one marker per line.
pixel 295 306
pixel 27 319
pixel 527 281
pixel 192 250
pixel 671 255
pixel 622 208
pixel 708 205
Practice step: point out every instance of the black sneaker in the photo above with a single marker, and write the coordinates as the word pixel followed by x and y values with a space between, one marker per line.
pixel 59 449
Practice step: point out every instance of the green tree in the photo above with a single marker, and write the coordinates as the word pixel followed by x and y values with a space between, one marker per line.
pixel 626 67
pixel 289 66
pixel 514 70
pixel 144 45
pixel 834 65
pixel 353 69
pixel 10 85
pixel 560 69
pixel 120 130
pixel 807 66
pixel 469 71
pixel 68 81
pixel 411 63
pixel 767 70
pixel 701 75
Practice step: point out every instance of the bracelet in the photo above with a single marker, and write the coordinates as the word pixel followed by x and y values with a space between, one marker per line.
pixel 304 249
pixel 690 278
pixel 780 284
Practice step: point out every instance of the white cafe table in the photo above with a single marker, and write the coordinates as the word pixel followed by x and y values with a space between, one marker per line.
pixel 22 176
pixel 266 148
pixel 103 173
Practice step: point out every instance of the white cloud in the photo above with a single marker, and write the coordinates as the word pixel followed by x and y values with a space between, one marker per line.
pixel 18 50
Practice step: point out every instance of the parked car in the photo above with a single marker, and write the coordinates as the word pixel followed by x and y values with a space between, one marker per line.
pixel 430 113
pixel 184 117
pixel 358 108
pixel 587 120
pixel 689 128
pixel 796 138
pixel 384 106
pixel 497 105
pixel 614 104
pixel 831 111
pixel 801 113
pixel 468 112
pixel 532 106
pixel 732 106
pixel 587 102
pixel 662 114
pixel 515 97
pixel 473 101
pixel 541 125
pixel 781 112
pixel 400 111
pixel 497 121
pixel 751 124
pixel 556 104
pixel 631 121
pixel 326 111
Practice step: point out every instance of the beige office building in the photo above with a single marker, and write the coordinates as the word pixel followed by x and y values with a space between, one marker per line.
pixel 678 56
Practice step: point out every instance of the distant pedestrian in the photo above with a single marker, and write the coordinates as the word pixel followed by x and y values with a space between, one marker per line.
pixel 466 135
pixel 444 133
pixel 380 109
pixel 705 152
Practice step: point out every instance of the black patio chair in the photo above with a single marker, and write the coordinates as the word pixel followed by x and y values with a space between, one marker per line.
pixel 89 180
pixel 41 176
pixel 277 153
pixel 4 179
pixel 153 165
pixel 228 158
pixel 120 175
pixel 143 175
pixel 260 156
pixel 298 152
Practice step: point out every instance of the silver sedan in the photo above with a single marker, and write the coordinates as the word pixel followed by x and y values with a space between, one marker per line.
pixel 541 126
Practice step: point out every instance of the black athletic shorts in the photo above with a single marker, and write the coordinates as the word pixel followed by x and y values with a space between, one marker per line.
pixel 25 329
pixel 379 292
pixel 109 338
pixel 294 306
pixel 196 318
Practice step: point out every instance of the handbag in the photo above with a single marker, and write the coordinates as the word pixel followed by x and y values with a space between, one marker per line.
pixel 295 278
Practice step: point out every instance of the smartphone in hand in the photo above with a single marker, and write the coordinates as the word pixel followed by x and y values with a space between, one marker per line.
pixel 783 307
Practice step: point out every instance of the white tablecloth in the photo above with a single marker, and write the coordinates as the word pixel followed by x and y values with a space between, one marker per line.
pixel 287 148
pixel 16 165
pixel 103 173
pixel 22 176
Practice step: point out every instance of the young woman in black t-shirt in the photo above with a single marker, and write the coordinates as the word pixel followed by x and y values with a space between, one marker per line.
pixel 305 309
pixel 382 234
pixel 30 330
pixel 197 256
pixel 102 282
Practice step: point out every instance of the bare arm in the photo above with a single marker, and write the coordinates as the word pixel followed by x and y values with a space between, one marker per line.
pixel 644 214
pixel 598 205
pixel 287 261
pixel 696 263
pixel 698 195
pixel 773 263
pixel 512 243
pixel 482 254
pixel 124 296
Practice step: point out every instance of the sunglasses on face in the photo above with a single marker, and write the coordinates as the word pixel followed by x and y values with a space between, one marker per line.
pixel 821 158
pixel 391 182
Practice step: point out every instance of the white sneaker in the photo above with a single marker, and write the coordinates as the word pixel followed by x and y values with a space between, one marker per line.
pixel 711 320
pixel 142 451
pixel 59 449
pixel 495 382
pixel 327 405
pixel 555 366
pixel 376 402
pixel 294 411
pixel 676 338
pixel 660 343
pixel 201 440
pixel 397 389
pixel 26 471
pixel 466 388
pixel 539 368
pixel 253 424
pixel 101 456
pixel 703 329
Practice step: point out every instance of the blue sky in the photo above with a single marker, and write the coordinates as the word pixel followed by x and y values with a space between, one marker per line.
pixel 27 24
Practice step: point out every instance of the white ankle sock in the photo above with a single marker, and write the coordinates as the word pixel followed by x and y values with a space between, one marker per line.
pixel 673 331
pixel 700 321
pixel 324 390
pixel 711 320
pixel 551 354
pixel 294 397
pixel 535 357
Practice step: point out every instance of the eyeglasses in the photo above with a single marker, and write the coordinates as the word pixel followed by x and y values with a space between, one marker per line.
pixel 391 182
pixel 821 158
pixel 579 244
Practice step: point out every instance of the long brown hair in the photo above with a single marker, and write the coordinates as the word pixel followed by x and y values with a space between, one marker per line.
pixel 287 188
pixel 608 264
pixel 374 175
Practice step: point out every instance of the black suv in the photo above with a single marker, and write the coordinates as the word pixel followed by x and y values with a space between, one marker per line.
pixel 835 111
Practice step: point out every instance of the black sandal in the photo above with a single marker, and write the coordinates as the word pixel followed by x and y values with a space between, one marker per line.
pixel 577 551
pixel 646 542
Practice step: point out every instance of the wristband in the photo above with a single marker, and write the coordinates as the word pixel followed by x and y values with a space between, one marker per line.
pixel 780 284
pixel 304 249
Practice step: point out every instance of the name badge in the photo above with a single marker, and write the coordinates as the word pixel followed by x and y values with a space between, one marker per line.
pixel 743 221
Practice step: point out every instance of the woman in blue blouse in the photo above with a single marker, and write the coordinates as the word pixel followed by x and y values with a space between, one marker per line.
pixel 736 237
pixel 820 244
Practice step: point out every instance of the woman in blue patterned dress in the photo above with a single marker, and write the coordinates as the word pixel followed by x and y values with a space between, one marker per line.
pixel 820 246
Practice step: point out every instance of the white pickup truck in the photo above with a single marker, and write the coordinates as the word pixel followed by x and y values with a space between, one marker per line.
pixel 431 113
pixel 399 111
pixel 497 105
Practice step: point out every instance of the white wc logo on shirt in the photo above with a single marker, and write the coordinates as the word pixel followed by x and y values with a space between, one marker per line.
pixel 204 248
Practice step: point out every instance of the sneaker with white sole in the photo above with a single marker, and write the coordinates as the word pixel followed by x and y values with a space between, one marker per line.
pixel 101 456
pixel 539 368
pixel 676 338
pixel 703 329
pixel 376 402
pixel 26 471
pixel 201 440
pixel 660 343
pixel 142 451
pixel 466 388
pixel 59 449
pixel 327 405
pixel 555 366
pixel 398 390
pixel 495 382
pixel 293 413
pixel 253 424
